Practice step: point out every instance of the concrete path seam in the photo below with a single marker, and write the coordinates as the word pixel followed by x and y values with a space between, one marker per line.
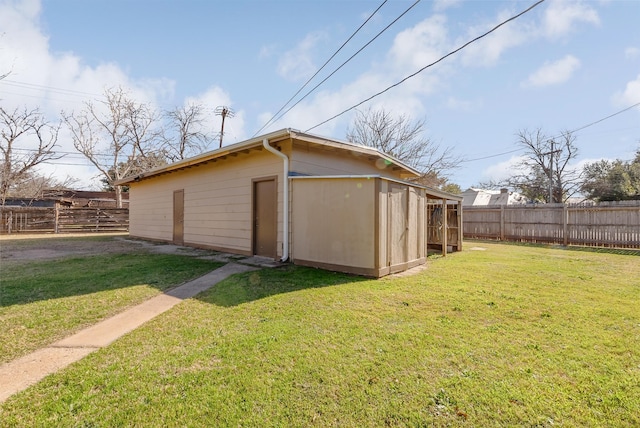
pixel 19 374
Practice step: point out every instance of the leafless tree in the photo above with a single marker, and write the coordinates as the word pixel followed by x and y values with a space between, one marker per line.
pixel 545 171
pixel 187 136
pixel 34 186
pixel 402 138
pixel 118 136
pixel 27 140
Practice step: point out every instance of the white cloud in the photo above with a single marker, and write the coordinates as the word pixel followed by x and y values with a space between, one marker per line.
pixel 488 50
pixel 411 50
pixel 297 63
pixel 419 45
pixel 630 95
pixel 233 126
pixel 58 81
pixel 632 52
pixel 502 170
pixel 440 5
pixel 553 73
pixel 454 103
pixel 561 16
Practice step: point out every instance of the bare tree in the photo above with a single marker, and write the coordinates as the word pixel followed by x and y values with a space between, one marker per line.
pixel 545 171
pixel 188 136
pixel 118 136
pixel 27 140
pixel 34 186
pixel 403 139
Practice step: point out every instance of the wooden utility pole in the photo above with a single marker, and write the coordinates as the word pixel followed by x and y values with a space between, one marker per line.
pixel 550 171
pixel 223 111
pixel 551 152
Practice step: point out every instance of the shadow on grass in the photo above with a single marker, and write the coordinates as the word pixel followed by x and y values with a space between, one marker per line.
pixel 607 250
pixel 256 285
pixel 55 279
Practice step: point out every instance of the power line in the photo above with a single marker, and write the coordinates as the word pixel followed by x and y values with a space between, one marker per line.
pixel 35 86
pixel 320 69
pixel 595 122
pixel 492 156
pixel 66 163
pixel 40 97
pixel 61 152
pixel 344 63
pixel 429 65
pixel 603 119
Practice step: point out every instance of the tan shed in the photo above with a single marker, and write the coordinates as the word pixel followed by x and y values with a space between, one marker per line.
pixel 341 206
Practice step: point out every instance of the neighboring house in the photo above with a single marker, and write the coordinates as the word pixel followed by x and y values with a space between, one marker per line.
pixel 481 197
pixel 297 197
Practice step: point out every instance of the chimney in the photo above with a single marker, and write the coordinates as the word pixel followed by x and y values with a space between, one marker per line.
pixel 504 190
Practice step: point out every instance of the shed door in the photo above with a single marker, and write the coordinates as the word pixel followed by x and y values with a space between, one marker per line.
pixel 265 216
pixel 178 217
pixel 398 224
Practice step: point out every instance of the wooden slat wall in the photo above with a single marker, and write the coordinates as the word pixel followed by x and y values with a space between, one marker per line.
pixel 606 225
pixel 64 220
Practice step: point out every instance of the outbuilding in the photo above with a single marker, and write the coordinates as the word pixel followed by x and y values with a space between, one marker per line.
pixel 301 198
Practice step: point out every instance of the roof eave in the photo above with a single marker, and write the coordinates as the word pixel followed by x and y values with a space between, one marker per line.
pixel 273 136
pixel 207 156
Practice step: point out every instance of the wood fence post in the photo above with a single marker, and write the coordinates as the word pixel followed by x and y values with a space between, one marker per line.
pixel 56 215
pixel 460 225
pixel 445 227
pixel 502 222
pixel 565 225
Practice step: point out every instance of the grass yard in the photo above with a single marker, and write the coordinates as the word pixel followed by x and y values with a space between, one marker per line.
pixel 46 300
pixel 497 335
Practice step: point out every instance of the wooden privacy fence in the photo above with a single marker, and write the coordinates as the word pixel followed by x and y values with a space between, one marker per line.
pixel 602 225
pixel 63 220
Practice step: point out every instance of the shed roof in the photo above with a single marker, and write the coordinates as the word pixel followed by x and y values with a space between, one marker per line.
pixel 280 135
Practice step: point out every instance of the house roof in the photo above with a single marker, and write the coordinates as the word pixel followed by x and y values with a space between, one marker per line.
pixel 283 134
pixel 482 197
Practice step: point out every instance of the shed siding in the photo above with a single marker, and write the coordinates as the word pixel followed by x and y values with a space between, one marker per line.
pixel 402 227
pixel 310 161
pixel 333 222
pixel 217 202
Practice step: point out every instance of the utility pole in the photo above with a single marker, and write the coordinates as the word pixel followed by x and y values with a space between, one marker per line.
pixel 550 153
pixel 223 111
pixel 550 172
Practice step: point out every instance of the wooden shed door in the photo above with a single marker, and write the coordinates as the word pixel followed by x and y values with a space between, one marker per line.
pixel 265 216
pixel 398 224
pixel 178 217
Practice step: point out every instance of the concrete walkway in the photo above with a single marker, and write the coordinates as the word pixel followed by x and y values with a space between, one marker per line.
pixel 19 374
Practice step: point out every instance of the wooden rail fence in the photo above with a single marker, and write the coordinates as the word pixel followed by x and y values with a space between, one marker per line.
pixel 615 225
pixel 63 220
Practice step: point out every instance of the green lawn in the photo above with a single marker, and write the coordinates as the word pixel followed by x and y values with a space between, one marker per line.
pixel 504 336
pixel 43 301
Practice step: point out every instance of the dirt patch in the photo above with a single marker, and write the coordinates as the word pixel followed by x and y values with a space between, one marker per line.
pixel 26 248
pixel 39 247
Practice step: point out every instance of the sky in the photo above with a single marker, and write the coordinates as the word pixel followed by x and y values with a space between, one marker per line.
pixel 561 66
